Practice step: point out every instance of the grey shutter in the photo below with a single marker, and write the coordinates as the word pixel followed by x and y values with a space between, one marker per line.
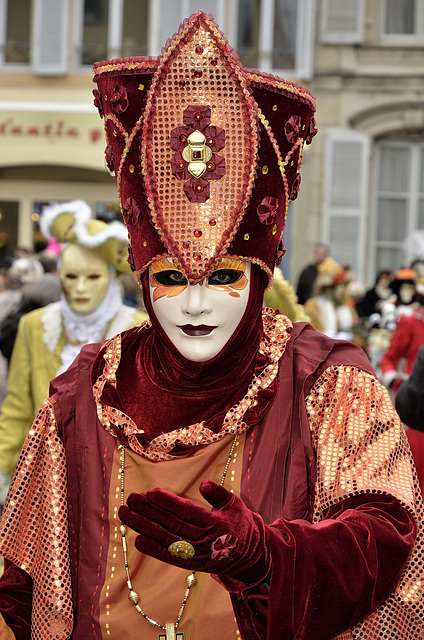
pixel 346 196
pixel 342 21
pixel 50 37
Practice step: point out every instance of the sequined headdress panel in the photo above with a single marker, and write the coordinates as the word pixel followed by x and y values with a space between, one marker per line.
pixel 205 152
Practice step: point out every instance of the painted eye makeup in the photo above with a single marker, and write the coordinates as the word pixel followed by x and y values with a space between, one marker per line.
pixel 224 277
pixel 170 278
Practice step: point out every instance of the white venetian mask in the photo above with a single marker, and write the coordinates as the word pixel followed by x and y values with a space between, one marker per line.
pixel 85 278
pixel 200 319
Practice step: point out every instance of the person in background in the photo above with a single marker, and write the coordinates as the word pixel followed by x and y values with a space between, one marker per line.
pixel 408 335
pixel 41 292
pixel 409 403
pixel 308 275
pixel 48 339
pixel 22 271
pixel 328 310
pixel 369 308
pixel 281 296
pixel 218 471
pixel 18 273
pixel 403 300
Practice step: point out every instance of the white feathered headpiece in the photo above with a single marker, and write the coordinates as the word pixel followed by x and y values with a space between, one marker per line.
pixel 73 222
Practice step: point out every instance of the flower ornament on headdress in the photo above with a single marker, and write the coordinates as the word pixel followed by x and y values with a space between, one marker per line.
pixel 73 222
pixel 206 153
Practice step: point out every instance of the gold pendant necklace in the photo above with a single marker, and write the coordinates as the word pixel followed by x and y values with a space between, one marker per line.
pixel 169 628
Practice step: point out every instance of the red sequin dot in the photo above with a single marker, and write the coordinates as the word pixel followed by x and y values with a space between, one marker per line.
pixel 197 256
pixel 186 244
pixel 197 233
pixel 199 49
pixel 198 73
pixel 214 62
pixel 182 83
pixel 212 222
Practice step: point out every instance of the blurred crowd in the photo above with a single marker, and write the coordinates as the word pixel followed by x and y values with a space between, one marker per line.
pixel 386 320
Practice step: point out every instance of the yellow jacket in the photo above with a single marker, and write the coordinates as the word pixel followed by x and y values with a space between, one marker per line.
pixel 33 364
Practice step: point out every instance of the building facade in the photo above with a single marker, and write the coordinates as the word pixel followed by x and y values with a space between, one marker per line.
pixel 362 178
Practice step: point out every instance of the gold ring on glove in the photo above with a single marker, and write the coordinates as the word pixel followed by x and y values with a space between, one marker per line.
pixel 181 549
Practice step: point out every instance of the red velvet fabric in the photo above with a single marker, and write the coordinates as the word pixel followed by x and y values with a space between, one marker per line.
pixel 16 599
pixel 352 559
pixel 177 392
pixel 229 541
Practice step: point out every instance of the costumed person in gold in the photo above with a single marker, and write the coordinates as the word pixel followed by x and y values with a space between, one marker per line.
pixel 219 471
pixel 49 338
pixel 328 310
pixel 282 297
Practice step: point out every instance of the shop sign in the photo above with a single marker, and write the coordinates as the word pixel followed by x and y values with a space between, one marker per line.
pixel 51 128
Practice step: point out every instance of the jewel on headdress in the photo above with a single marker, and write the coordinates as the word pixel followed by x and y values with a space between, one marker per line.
pixel 197 190
pixel 119 99
pixel 267 210
pixel 197 233
pixel 199 49
pixel 130 211
pixel 196 150
pixel 292 128
pixel 98 102
pixel 110 160
pixel 295 187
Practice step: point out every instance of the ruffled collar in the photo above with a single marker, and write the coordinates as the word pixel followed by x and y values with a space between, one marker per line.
pixel 247 410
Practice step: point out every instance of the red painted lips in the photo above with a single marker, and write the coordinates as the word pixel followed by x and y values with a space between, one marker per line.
pixel 196 330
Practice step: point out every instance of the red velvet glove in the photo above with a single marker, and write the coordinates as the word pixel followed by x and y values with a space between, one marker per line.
pixel 229 541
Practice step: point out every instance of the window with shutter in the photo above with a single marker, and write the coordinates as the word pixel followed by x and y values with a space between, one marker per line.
pixel 345 196
pixel 15 33
pixel 110 29
pixel 402 21
pixel 342 21
pixel 50 37
pixel 276 35
pixel 398 203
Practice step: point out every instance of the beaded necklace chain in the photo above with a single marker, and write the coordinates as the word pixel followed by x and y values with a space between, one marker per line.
pixel 171 627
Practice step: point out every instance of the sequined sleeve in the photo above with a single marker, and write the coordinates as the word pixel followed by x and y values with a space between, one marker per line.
pixel 34 528
pixel 362 448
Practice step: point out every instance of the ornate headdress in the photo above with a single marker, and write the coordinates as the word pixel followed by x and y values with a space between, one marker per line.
pixel 73 222
pixel 206 153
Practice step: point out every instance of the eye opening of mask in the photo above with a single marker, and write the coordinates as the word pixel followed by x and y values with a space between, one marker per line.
pixel 170 278
pixel 225 277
